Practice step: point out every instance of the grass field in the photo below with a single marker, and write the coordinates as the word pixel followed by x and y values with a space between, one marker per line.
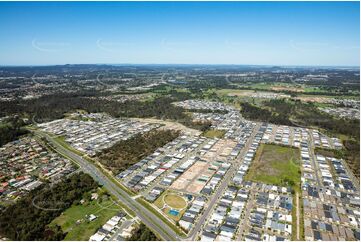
pixel 276 165
pixel 213 133
pixel 169 200
pixel 304 92
pixel 175 201
pixel 78 227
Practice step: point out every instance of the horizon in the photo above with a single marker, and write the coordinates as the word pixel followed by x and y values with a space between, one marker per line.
pixel 315 34
pixel 185 64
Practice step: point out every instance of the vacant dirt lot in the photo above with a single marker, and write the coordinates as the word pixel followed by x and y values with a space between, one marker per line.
pixel 314 99
pixel 197 176
pixel 188 182
pixel 286 88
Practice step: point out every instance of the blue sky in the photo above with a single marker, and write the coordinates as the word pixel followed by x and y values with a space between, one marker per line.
pixel 260 33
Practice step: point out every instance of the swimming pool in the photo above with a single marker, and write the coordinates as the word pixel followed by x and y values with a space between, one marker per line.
pixel 173 212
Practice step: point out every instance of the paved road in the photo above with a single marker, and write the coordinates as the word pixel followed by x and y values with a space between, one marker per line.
pixel 298 216
pixel 313 158
pixel 187 156
pixel 354 180
pixel 147 217
pixel 243 227
pixel 224 184
pixel 351 175
pixel 144 214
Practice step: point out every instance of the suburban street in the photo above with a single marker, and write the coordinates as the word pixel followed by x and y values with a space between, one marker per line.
pixel 147 217
pixel 143 213
pixel 313 159
pixel 201 222
pixel 166 121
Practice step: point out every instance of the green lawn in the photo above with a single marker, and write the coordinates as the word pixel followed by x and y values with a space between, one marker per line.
pixel 276 165
pixel 213 133
pixel 82 230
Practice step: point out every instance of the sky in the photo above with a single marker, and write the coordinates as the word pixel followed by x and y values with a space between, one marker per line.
pixel 256 33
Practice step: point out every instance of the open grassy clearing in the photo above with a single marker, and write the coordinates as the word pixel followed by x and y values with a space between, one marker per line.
pixel 258 85
pixel 305 92
pixel 277 165
pixel 244 95
pixel 328 95
pixel 276 86
pixel 75 223
pixel 150 97
pixel 213 133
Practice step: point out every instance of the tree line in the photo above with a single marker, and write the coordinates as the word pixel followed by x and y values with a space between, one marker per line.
pixel 10 129
pixel 143 233
pixel 29 217
pixel 289 112
pixel 125 153
pixel 253 112
pixel 47 108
